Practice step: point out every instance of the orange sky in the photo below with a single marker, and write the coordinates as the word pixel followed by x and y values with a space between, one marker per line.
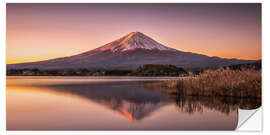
pixel 43 31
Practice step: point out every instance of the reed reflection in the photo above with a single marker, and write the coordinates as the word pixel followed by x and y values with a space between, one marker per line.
pixel 226 105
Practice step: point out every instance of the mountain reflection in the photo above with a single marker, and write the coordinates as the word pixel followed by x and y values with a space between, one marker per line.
pixel 135 102
pixel 126 98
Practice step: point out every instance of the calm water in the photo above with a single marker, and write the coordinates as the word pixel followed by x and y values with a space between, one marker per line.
pixel 110 103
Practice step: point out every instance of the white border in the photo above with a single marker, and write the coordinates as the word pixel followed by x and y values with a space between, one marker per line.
pixel 2 67
pixel 265 56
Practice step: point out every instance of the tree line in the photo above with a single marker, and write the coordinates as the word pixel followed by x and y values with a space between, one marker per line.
pixel 145 70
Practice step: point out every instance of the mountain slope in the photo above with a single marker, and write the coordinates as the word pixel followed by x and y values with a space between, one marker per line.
pixel 130 51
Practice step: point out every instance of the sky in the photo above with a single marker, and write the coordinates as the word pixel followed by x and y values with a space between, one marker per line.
pixel 42 31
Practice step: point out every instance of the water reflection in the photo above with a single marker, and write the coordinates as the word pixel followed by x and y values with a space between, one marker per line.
pixel 226 105
pixel 129 99
pixel 132 101
pixel 135 101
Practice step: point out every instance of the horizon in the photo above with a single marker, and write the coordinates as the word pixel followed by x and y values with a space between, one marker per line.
pixel 38 32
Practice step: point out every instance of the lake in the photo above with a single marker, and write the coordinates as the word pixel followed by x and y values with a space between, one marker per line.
pixel 110 103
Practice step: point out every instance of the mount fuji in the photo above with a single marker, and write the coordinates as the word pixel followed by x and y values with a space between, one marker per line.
pixel 128 52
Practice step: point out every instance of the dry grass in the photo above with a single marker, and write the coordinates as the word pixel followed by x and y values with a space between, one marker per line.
pixel 220 82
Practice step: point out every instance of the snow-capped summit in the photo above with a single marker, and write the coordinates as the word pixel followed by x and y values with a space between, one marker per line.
pixel 134 40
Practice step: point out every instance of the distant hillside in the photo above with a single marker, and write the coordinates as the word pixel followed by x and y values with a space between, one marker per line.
pixel 256 65
pixel 158 70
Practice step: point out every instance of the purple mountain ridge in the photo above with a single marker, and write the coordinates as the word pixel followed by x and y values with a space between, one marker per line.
pixel 128 52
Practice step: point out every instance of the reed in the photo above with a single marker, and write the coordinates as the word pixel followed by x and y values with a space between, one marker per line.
pixel 221 82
